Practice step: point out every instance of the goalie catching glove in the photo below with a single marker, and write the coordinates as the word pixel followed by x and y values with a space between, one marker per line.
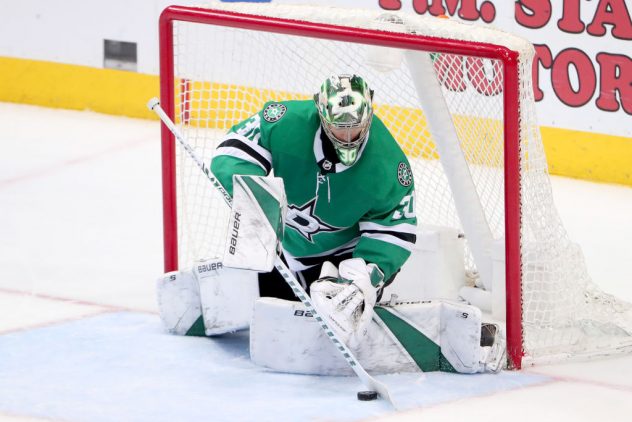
pixel 345 297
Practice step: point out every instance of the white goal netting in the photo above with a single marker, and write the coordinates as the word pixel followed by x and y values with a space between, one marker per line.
pixel 224 74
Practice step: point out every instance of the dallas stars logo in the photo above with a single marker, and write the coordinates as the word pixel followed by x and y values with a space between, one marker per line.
pixel 274 112
pixel 305 222
pixel 404 174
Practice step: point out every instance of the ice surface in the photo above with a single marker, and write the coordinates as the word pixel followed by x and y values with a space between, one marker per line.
pixel 80 248
pixel 122 366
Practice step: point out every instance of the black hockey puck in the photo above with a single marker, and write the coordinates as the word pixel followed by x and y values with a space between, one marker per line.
pixel 367 395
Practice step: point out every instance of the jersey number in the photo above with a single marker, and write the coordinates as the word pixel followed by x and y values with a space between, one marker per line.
pixel 406 208
pixel 251 128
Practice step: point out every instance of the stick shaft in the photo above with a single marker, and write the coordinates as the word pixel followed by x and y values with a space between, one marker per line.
pixel 280 266
pixel 154 105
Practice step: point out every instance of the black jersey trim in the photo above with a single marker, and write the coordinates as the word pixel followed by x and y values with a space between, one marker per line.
pixel 241 145
pixel 407 237
pixel 310 261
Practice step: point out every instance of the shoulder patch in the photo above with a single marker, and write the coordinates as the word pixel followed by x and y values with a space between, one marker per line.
pixel 274 112
pixel 404 174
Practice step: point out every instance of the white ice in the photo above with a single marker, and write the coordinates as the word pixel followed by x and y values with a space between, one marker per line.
pixel 80 340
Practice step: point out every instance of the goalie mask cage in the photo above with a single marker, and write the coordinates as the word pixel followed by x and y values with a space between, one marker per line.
pixel 459 100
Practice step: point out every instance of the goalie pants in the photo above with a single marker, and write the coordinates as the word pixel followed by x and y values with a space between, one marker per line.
pixel 272 284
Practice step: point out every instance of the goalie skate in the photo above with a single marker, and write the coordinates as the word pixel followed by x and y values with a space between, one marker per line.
pixel 493 345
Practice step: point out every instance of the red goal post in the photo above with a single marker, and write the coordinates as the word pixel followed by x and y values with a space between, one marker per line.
pixel 199 104
pixel 364 36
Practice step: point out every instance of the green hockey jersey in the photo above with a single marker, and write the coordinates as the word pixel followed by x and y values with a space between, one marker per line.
pixel 366 209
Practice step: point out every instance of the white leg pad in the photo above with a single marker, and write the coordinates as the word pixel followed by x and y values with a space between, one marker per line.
pixel 461 336
pixel 286 338
pixel 227 296
pixel 178 301
pixel 454 327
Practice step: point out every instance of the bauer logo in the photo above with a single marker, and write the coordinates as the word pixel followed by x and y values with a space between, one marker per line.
pixel 404 174
pixel 234 233
pixel 274 112
pixel 209 266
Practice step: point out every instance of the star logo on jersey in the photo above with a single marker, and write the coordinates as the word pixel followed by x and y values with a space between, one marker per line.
pixel 274 112
pixel 305 222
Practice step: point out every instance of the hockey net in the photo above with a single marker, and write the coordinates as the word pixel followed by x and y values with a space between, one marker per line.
pixel 220 64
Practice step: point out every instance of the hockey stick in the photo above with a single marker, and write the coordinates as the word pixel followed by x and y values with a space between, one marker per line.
pixel 370 382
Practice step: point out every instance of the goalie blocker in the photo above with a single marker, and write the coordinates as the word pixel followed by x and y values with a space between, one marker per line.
pixel 257 219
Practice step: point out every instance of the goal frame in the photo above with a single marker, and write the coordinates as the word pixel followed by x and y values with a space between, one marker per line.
pixel 511 126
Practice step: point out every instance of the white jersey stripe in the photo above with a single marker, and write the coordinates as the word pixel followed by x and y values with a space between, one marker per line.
pixel 401 228
pixel 390 239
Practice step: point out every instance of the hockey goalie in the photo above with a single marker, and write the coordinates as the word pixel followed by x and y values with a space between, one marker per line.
pixel 323 184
